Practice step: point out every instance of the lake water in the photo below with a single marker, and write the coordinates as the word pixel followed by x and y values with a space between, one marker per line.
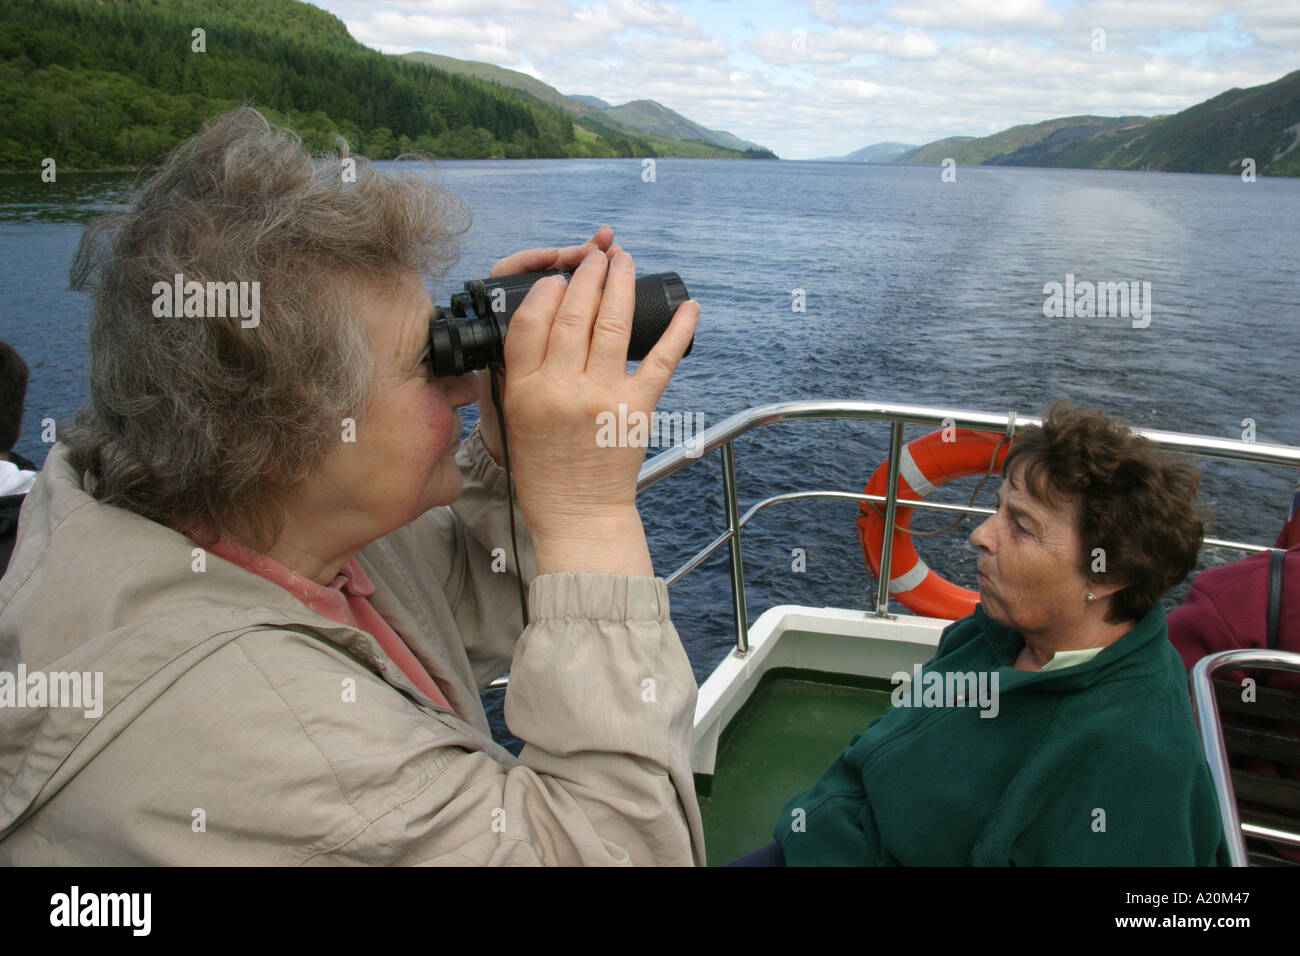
pixel 915 290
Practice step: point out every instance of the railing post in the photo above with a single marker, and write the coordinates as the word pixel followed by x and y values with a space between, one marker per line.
pixel 1206 710
pixel 891 505
pixel 737 566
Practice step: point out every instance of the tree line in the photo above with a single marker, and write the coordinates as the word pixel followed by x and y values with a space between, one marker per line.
pixel 105 85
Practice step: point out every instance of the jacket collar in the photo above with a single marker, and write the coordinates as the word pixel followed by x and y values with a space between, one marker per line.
pixel 1126 651
pixel 96 568
pixel 96 588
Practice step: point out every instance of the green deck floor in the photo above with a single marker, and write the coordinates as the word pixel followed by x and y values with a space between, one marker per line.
pixel 789 731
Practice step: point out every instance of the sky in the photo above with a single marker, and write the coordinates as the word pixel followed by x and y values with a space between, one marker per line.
pixel 817 78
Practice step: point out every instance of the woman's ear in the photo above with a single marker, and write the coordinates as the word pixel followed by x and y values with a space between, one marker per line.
pixel 1104 585
pixel 1102 582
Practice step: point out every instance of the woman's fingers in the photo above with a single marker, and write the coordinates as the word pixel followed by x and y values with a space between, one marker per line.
pixel 607 359
pixel 529 260
pixel 658 366
pixel 568 258
pixel 571 330
pixel 566 354
pixel 572 256
pixel 530 326
pixel 584 327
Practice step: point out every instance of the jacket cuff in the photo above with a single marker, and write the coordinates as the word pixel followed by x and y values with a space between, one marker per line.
pixel 598 597
pixel 476 462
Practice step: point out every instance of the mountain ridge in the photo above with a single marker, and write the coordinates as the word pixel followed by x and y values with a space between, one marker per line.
pixel 106 86
pixel 875 153
pixel 646 117
pixel 1260 123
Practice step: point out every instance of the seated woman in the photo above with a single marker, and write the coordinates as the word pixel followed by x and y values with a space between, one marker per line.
pixel 1087 754
pixel 244 548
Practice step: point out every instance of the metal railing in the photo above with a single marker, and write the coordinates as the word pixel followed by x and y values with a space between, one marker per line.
pixel 723 434
pixel 1216 751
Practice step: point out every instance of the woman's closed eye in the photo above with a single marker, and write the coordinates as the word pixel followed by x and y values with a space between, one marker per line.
pixel 1016 524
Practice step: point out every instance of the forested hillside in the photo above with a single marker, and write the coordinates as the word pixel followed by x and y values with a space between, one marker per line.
pixel 669 133
pixel 994 149
pixel 104 85
pixel 1261 123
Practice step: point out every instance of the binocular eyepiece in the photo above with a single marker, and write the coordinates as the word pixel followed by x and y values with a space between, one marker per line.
pixel 471 334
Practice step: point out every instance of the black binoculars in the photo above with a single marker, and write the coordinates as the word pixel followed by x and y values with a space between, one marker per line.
pixel 471 334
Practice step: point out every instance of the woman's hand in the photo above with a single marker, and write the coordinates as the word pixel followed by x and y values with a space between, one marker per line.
pixel 532 260
pixel 567 358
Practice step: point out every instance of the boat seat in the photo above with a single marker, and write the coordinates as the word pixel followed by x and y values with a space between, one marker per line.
pixel 1253 749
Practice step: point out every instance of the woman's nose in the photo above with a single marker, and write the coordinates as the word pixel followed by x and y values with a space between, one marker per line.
pixel 979 538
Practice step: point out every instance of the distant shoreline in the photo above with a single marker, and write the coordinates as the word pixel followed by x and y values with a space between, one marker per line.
pixel 60 170
pixel 631 159
pixel 73 169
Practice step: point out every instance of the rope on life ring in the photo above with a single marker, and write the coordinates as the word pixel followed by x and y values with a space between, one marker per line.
pixel 925 463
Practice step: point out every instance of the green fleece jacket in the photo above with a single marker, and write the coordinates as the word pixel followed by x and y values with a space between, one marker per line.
pixel 1095 764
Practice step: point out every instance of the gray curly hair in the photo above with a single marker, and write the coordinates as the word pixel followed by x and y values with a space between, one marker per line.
pixel 200 423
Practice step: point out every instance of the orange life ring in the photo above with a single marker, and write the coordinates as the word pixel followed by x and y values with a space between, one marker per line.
pixel 926 462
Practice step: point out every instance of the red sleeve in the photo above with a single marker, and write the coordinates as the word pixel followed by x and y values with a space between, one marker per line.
pixel 1289 536
pixel 1197 627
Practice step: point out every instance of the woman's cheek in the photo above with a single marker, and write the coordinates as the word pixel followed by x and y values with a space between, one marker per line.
pixel 441 423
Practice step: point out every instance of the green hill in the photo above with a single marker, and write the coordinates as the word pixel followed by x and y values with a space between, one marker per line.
pixel 875 153
pixel 658 120
pixel 671 133
pixel 987 149
pixel 938 151
pixel 1262 123
pixel 96 85
pixel 513 79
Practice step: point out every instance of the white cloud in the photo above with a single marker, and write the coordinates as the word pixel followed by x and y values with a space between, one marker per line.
pixel 825 10
pixel 660 17
pixel 854 90
pixel 1153 15
pixel 392 32
pixel 978 15
pixel 926 68
pixel 841 44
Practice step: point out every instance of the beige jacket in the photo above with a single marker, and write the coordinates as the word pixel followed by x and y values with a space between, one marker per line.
pixel 239 727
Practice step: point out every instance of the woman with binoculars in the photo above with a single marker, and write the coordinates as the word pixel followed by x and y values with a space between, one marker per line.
pixel 294 581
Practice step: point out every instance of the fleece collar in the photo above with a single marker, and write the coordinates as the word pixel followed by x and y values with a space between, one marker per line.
pixel 1126 652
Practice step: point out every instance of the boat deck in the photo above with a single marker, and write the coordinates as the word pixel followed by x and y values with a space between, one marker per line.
pixel 788 732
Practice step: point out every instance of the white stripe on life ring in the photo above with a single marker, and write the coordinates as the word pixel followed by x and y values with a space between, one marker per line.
pixel 909 579
pixel 907 469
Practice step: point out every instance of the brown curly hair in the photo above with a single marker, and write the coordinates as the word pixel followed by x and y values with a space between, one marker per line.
pixel 1137 503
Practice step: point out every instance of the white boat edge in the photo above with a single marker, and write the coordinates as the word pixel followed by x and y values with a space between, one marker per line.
pixel 821 639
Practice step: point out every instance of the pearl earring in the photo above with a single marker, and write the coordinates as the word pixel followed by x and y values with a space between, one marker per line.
pixel 1091 597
